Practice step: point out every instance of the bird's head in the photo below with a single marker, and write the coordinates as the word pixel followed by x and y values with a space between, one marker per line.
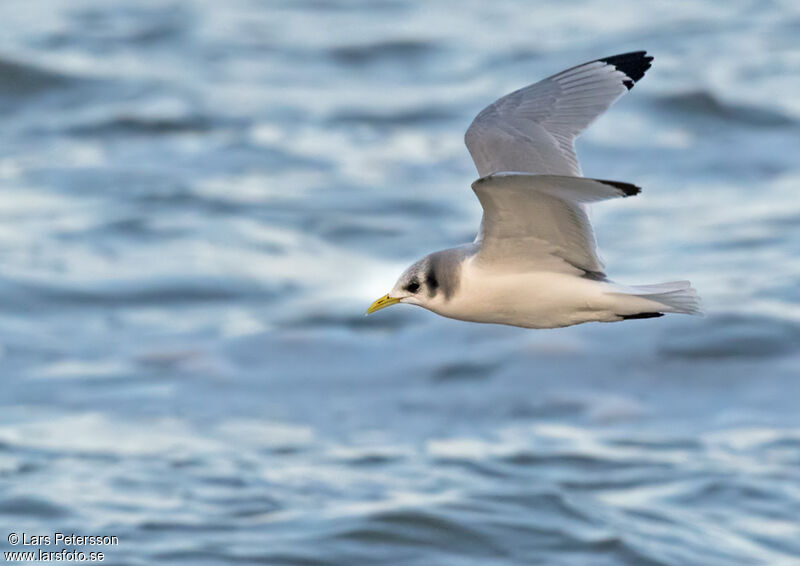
pixel 428 283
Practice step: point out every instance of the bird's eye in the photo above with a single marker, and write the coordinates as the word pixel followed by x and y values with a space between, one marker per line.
pixel 412 287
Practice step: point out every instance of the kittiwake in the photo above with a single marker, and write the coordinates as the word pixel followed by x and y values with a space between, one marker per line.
pixel 534 262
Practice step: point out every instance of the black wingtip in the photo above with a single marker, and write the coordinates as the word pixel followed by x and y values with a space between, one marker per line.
pixel 633 64
pixel 628 189
pixel 641 315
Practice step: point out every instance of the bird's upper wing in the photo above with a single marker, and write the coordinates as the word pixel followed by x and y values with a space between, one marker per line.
pixel 539 221
pixel 533 129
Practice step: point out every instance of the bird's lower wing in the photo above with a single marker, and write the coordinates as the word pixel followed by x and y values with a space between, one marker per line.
pixel 539 222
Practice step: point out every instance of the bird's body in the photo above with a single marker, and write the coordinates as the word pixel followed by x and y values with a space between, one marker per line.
pixel 534 263
pixel 533 299
pixel 540 299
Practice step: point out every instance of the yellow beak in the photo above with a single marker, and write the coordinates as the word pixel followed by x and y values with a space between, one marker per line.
pixel 382 303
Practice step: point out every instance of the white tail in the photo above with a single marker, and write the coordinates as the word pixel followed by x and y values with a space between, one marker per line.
pixel 675 296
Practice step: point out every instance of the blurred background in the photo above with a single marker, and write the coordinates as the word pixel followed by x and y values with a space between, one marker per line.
pixel 199 199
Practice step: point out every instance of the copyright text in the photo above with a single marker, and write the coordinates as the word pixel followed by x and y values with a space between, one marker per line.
pixel 58 539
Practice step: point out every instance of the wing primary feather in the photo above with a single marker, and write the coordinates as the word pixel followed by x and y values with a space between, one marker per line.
pixel 633 64
pixel 628 189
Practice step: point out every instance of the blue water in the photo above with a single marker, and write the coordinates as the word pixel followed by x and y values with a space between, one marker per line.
pixel 198 200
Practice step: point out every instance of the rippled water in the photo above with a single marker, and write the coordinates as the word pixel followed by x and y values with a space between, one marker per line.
pixel 199 199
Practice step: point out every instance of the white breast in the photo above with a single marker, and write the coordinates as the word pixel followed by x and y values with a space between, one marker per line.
pixel 530 299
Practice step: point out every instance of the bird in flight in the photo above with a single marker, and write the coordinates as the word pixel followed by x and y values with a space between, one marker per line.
pixel 534 262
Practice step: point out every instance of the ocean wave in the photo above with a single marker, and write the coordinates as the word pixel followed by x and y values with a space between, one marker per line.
pixel 32 507
pixel 21 294
pixel 410 117
pixel 19 79
pixel 143 125
pixel 704 103
pixel 408 50
pixel 733 336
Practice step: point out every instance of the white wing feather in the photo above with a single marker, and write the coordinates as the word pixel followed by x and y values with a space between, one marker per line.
pixel 534 129
pixel 539 221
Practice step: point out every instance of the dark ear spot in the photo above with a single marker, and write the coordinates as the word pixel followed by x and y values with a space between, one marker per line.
pixel 413 286
pixel 431 282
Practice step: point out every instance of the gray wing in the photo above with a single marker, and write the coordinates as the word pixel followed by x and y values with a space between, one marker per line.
pixel 533 129
pixel 538 222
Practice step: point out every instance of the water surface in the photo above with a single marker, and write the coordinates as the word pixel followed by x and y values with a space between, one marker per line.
pixel 199 199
